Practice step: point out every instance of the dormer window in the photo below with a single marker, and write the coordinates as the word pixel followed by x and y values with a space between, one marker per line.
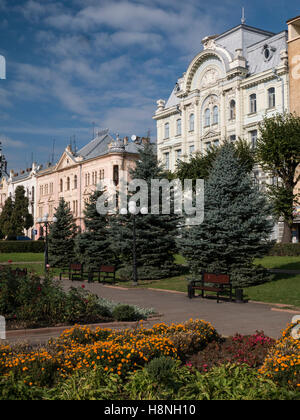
pixel 268 52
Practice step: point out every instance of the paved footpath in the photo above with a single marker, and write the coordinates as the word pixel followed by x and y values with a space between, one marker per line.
pixel 227 317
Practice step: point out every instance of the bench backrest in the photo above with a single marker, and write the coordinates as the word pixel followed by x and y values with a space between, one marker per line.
pixel 216 278
pixel 76 266
pixel 107 269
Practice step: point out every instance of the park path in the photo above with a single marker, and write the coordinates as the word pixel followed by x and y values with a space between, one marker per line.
pixel 227 317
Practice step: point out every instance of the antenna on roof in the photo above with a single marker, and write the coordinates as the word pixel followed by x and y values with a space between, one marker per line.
pixel 243 16
pixel 53 145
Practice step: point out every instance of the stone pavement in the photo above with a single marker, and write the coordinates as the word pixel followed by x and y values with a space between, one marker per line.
pixel 227 317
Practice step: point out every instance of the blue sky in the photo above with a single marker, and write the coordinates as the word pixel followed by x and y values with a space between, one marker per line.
pixel 77 64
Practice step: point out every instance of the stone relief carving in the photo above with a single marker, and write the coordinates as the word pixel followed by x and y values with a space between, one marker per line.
pixel 210 77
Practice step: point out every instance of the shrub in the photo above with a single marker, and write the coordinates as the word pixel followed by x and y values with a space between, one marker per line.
pixel 232 382
pixel 249 350
pixel 125 313
pixel 14 389
pixel 95 384
pixel 285 250
pixel 282 363
pixel 160 379
pixel 189 337
pixel 22 246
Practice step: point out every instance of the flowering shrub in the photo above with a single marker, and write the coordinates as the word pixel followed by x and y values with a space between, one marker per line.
pixel 282 363
pixel 248 350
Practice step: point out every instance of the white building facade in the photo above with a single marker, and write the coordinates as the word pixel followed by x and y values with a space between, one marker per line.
pixel 238 78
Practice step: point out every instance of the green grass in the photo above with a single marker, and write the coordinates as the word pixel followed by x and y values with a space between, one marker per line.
pixel 282 263
pixel 22 257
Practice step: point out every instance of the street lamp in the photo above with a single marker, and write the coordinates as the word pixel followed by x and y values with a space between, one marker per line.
pixel 134 211
pixel 44 223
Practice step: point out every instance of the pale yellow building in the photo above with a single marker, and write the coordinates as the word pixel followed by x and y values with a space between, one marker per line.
pixel 294 74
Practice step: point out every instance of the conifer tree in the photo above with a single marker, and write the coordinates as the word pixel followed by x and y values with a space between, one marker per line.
pixel 62 236
pixel 6 225
pixel 93 245
pixel 236 227
pixel 155 234
pixel 21 218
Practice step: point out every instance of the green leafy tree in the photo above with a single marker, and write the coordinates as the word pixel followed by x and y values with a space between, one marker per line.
pixel 93 245
pixel 278 152
pixel 200 164
pixel 155 234
pixel 62 236
pixel 236 227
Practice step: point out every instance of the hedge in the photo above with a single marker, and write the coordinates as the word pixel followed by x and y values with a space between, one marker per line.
pixel 21 246
pixel 285 250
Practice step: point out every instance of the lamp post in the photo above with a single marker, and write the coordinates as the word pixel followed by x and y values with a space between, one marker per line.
pixel 44 223
pixel 134 211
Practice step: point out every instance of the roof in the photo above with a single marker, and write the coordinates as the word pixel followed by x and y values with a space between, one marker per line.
pixel 99 146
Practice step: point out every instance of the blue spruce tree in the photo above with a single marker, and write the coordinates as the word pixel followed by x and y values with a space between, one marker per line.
pixel 237 225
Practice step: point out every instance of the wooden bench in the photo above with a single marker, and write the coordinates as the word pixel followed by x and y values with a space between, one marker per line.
pixel 107 272
pixel 76 272
pixel 218 283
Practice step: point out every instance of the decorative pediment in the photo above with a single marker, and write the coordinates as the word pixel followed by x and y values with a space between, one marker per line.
pixel 210 77
pixel 66 160
pixel 210 134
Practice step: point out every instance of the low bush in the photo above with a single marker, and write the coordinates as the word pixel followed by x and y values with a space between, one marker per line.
pixel 161 379
pixel 282 364
pixel 232 382
pixel 21 246
pixel 249 350
pixel 125 313
pixel 285 250
pixel 96 384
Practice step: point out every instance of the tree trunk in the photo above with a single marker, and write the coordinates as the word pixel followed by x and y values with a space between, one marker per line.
pixel 287 233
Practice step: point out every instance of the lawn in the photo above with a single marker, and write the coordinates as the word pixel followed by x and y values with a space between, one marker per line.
pixel 22 257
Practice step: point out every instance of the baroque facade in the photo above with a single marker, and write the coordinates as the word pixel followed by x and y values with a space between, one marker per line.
pixel 294 66
pixel 238 78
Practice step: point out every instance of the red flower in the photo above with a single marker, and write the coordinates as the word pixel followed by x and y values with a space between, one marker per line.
pixel 83 286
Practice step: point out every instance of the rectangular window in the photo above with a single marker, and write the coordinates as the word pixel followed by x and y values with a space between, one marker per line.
pixel 178 154
pixel 271 98
pixel 208 146
pixel 253 138
pixel 192 149
pixel 216 143
pixel 167 130
pixel 167 160
pixel 232 138
pixel 253 107
pixel 178 127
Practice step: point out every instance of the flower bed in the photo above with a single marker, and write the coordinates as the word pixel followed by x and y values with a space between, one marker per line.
pixel 282 364
pixel 140 363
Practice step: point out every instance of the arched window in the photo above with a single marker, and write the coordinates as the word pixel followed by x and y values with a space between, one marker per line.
pixel 178 127
pixel 215 115
pixel 167 130
pixel 61 185
pixel 232 110
pixel 68 184
pixel 192 122
pixel 75 182
pixel 253 107
pixel 207 118
pixel 271 98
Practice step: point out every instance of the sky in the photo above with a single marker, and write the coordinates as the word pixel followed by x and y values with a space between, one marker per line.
pixel 77 66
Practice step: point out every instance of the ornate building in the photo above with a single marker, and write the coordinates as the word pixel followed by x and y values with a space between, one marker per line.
pixel 238 78
pixel 77 173
pixel 294 66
